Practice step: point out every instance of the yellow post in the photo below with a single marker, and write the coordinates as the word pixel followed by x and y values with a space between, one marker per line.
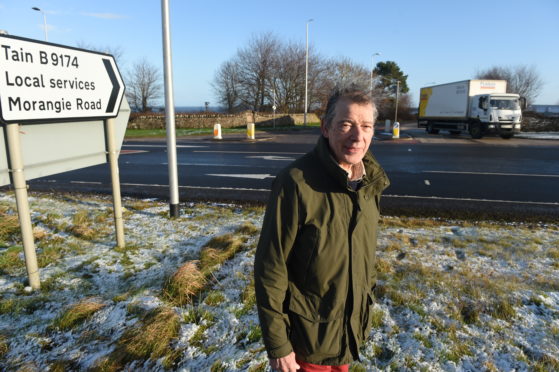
pixel 250 131
pixel 396 130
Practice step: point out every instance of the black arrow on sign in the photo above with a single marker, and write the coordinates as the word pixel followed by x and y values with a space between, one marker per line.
pixel 114 81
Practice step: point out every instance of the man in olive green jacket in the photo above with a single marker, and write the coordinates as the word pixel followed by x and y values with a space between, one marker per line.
pixel 315 262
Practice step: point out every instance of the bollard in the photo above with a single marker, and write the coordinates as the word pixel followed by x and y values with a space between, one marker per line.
pixel 217 131
pixel 387 126
pixel 250 131
pixel 396 130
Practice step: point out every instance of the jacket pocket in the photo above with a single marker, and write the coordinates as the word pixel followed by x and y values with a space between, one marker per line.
pixel 316 326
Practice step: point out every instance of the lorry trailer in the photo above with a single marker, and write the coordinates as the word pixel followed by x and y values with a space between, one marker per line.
pixel 475 106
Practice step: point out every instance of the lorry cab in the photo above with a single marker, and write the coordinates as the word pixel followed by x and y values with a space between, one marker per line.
pixel 498 112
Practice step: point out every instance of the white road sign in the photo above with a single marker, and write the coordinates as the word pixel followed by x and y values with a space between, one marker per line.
pixel 41 82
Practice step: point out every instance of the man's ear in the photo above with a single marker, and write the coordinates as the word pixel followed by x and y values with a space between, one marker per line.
pixel 323 128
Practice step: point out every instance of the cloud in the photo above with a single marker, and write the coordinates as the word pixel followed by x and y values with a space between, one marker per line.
pixel 104 15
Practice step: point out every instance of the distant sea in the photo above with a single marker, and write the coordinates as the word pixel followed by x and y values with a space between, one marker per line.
pixel 192 109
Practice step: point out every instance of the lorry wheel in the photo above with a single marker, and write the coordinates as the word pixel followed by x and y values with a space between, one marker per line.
pixel 475 131
pixel 454 132
pixel 506 135
pixel 431 130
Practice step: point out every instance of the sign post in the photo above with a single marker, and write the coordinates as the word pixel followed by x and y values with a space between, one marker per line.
pixel 113 162
pixel 48 83
pixel 18 180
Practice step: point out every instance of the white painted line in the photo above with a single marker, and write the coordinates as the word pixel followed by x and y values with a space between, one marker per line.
pixel 226 165
pixel 496 174
pixel 164 146
pixel 196 187
pixel 271 157
pixel 469 199
pixel 427 182
pixel 87 183
pixel 251 152
pixel 251 176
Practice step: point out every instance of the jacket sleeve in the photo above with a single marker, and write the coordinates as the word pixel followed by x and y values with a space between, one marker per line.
pixel 279 231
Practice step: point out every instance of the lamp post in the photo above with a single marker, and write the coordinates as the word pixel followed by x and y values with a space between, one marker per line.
pixel 397 96
pixel 307 70
pixel 372 68
pixel 44 21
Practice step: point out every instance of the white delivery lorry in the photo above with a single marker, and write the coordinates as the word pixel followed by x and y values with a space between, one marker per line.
pixel 476 106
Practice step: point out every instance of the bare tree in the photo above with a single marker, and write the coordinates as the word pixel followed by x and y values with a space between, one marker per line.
pixel 117 52
pixel 143 85
pixel 255 64
pixel 521 79
pixel 226 85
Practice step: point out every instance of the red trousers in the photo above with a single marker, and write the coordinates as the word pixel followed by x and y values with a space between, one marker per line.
pixel 309 367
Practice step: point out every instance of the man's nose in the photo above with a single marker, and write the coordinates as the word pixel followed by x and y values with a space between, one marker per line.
pixel 357 133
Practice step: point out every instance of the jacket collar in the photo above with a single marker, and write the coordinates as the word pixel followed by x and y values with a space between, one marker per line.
pixel 374 174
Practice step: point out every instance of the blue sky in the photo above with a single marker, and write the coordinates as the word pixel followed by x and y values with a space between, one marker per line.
pixel 432 41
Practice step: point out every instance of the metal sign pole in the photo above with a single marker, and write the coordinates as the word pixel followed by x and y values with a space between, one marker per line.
pixel 170 113
pixel 18 180
pixel 113 162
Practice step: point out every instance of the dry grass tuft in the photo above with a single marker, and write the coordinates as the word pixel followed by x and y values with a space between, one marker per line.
pixel 186 283
pixel 150 339
pixel 4 346
pixel 247 229
pixel 78 313
pixel 81 227
pixel 9 227
pixel 218 250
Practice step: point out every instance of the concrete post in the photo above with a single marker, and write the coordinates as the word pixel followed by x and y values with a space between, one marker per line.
pixel 113 162
pixel 20 186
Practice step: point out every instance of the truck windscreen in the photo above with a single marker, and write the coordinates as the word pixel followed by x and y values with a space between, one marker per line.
pixel 505 104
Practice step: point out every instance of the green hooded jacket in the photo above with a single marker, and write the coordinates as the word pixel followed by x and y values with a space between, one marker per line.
pixel 315 261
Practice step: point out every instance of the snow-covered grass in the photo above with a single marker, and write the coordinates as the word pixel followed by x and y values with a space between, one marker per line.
pixel 451 295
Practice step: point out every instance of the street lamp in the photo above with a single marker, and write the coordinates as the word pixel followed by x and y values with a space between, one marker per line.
pixel 307 70
pixel 44 20
pixel 372 68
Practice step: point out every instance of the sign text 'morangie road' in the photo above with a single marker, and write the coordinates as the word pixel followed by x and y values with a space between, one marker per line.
pixel 41 82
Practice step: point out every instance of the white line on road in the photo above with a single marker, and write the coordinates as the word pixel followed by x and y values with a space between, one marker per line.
pixel 469 199
pixel 196 187
pixel 165 146
pixel 87 183
pixel 252 152
pixel 252 176
pixel 272 157
pixel 225 165
pixel 496 174
pixel 427 182
pixel 386 196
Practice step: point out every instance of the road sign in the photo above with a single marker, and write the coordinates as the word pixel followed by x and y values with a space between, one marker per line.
pixel 42 82
pixel 61 147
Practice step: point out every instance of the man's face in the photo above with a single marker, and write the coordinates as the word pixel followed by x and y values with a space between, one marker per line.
pixel 350 132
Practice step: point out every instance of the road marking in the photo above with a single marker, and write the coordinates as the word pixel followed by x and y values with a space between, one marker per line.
pixel 272 157
pixel 87 182
pixel 225 165
pixel 427 182
pixel 196 187
pixel 470 199
pixel 252 176
pixel 165 146
pixel 252 152
pixel 497 174
pixel 384 196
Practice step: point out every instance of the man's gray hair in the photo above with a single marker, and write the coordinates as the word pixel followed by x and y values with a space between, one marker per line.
pixel 354 95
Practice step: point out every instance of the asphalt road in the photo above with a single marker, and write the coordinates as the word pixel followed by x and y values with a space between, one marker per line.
pixel 441 175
